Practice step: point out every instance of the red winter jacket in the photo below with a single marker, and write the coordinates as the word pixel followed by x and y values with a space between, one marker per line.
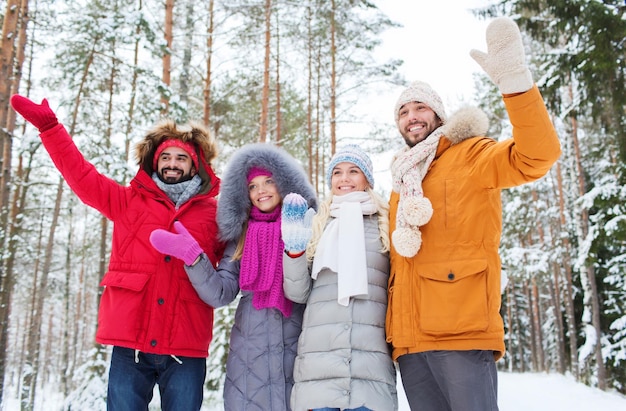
pixel 148 303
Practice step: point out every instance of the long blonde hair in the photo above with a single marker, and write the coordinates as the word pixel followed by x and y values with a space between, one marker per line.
pixel 240 243
pixel 323 214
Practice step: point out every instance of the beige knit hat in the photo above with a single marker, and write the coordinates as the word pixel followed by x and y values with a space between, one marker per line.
pixel 423 93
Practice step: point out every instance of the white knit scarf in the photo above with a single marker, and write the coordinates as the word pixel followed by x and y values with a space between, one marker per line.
pixel 408 168
pixel 342 245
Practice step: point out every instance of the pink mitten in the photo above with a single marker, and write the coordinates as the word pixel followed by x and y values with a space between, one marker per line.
pixel 39 115
pixel 180 244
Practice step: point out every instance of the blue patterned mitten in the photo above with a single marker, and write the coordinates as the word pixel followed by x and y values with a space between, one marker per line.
pixel 296 220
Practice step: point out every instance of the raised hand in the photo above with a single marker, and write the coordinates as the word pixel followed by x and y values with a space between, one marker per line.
pixel 505 61
pixel 39 115
pixel 296 218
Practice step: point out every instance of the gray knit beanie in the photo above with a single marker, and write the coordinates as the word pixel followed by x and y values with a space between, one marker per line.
pixel 352 153
pixel 421 92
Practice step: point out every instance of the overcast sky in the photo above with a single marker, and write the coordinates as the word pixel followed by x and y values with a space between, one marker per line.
pixel 434 42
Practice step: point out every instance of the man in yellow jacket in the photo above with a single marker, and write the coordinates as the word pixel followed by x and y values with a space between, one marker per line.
pixel 443 315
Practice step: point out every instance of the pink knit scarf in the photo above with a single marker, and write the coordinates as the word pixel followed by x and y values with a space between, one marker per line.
pixel 261 269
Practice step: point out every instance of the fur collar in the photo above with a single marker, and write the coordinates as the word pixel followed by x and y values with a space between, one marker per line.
pixel 467 122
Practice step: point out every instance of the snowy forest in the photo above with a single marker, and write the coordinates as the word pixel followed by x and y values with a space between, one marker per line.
pixel 291 72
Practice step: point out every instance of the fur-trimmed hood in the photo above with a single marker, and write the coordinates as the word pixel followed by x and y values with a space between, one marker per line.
pixel 234 205
pixel 465 123
pixel 192 132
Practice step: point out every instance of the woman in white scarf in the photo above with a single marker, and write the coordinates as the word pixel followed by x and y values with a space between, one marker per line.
pixel 343 361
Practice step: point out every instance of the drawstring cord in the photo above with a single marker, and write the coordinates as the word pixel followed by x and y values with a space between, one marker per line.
pixel 176 359
pixel 171 355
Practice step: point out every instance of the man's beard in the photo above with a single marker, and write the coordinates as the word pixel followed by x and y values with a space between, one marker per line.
pixel 174 179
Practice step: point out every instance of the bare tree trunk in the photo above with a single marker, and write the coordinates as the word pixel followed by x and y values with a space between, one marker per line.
pixel 11 60
pixel 67 371
pixel 34 344
pixel 49 357
pixel 510 301
pixel 102 253
pixel 22 348
pixel 513 290
pixel 187 51
pixel 7 59
pixel 531 318
pixel 318 119
pixel 520 345
pixel 569 283
pixel 208 79
pixel 25 361
pixel 278 116
pixel 82 338
pixel 167 56
pixel 309 97
pixel 15 228
pixel 133 91
pixel 536 293
pixel 591 299
pixel 555 293
pixel 537 321
pixel 333 81
pixel 266 74
pixel 8 52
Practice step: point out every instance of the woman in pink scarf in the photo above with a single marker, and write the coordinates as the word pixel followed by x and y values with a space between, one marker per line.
pixel 259 368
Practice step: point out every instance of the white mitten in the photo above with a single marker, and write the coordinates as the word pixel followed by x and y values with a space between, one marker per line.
pixel 505 61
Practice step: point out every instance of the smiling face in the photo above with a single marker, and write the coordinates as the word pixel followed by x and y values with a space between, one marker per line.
pixel 416 121
pixel 346 178
pixel 263 193
pixel 174 165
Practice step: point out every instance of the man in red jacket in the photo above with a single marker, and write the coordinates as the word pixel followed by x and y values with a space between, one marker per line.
pixel 150 313
pixel 443 315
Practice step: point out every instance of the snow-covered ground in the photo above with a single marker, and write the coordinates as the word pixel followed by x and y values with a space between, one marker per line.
pixel 549 392
pixel 517 392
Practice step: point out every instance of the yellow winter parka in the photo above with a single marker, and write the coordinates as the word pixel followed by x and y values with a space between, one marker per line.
pixel 447 297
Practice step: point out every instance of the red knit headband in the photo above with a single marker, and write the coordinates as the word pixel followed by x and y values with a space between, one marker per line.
pixel 175 143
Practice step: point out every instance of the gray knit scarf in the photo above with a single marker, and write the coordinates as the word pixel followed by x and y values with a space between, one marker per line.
pixel 179 193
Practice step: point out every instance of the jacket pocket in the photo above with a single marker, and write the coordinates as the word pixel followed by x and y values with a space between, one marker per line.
pixel 126 280
pixel 123 305
pixel 192 328
pixel 453 297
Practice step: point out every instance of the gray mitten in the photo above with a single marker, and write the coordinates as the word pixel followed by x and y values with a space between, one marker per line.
pixel 505 61
pixel 296 218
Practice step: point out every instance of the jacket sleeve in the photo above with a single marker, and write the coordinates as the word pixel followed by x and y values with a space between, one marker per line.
pixel 525 157
pixel 94 189
pixel 297 281
pixel 216 287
